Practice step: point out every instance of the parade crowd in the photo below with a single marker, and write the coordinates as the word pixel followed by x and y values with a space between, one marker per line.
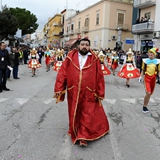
pixel 81 74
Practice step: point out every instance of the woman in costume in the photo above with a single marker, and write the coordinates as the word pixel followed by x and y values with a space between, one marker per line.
pixel 108 57
pixel 47 55
pixel 59 60
pixel 34 63
pixel 105 70
pixel 129 69
pixel 114 64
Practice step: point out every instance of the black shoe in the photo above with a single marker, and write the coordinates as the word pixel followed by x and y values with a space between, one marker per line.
pixel 6 89
pixel 0 91
pixel 17 78
pixel 145 110
pixel 32 75
pixel 127 85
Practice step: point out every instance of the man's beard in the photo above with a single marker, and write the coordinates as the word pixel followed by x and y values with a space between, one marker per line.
pixel 83 52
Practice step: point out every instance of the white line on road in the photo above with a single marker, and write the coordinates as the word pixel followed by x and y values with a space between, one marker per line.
pixel 3 99
pixel 111 101
pixel 114 143
pixel 131 100
pixel 21 101
pixel 48 101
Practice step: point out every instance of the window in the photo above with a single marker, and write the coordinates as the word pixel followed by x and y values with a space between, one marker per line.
pixel 147 15
pixel 97 18
pixel 79 24
pixel 72 27
pixel 120 18
pixel 86 22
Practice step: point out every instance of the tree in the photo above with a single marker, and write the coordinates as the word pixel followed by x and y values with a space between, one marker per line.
pixel 27 20
pixel 8 24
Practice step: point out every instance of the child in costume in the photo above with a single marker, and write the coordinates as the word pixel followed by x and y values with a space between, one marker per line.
pixel 105 70
pixel 150 69
pixel 114 64
pixel 47 55
pixel 108 58
pixel 129 69
pixel 34 63
pixel 59 60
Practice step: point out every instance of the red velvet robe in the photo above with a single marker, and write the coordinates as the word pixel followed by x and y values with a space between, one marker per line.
pixel 87 119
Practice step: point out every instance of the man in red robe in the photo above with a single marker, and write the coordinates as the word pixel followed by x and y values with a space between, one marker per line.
pixel 82 77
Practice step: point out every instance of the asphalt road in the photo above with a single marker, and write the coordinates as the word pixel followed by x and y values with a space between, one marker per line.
pixel 33 127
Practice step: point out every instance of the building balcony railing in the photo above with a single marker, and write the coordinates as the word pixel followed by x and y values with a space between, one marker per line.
pixel 55 34
pixel 144 3
pixel 147 27
pixel 66 34
pixel 78 31
pixel 59 24
pixel 122 27
pixel 85 29
pixel 71 32
pixel 48 28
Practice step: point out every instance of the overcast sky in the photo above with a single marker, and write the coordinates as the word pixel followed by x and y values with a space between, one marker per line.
pixel 43 9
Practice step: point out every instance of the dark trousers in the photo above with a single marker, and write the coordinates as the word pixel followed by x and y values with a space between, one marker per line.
pixel 3 78
pixel 9 73
pixel 15 72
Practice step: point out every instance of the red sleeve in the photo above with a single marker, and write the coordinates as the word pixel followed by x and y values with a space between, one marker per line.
pixel 100 81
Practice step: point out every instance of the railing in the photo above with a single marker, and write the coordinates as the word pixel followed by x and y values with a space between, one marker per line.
pixel 65 34
pixel 57 24
pixel 71 32
pixel 147 27
pixel 48 28
pixel 144 3
pixel 78 31
pixel 122 26
pixel 85 29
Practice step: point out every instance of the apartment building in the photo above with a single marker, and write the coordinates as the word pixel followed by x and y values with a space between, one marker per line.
pixel 106 23
pixel 146 26
pixel 52 30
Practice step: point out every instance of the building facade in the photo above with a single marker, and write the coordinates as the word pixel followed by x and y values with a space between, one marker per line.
pixel 52 30
pixel 105 23
pixel 146 26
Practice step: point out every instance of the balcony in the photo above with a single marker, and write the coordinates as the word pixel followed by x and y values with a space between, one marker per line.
pixel 144 3
pixel 61 34
pixel 48 28
pixel 66 34
pixel 57 24
pixel 78 31
pixel 85 29
pixel 55 34
pixel 71 32
pixel 123 27
pixel 143 28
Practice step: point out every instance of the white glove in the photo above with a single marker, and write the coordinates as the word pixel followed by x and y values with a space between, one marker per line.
pixel 140 79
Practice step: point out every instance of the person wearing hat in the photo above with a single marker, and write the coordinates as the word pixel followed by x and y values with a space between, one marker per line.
pixel 59 60
pixel 114 64
pixel 33 63
pixel 81 76
pixel 105 70
pixel 128 69
pixel 150 69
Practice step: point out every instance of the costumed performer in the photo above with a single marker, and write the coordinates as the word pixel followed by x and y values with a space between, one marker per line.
pixel 128 69
pixel 114 64
pixel 150 69
pixel 82 77
pixel 34 61
pixel 47 55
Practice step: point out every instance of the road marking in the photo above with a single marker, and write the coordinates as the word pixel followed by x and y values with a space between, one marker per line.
pixel 111 101
pixel 131 100
pixel 22 101
pixel 48 101
pixel 152 100
pixel 3 99
pixel 114 142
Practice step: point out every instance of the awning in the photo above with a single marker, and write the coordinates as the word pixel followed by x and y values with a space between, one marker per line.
pixel 71 42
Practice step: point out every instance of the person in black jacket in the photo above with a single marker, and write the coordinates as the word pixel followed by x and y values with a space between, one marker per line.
pixel 4 63
pixel 16 63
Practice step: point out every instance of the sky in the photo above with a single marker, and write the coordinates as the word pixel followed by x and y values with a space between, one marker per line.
pixel 43 9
